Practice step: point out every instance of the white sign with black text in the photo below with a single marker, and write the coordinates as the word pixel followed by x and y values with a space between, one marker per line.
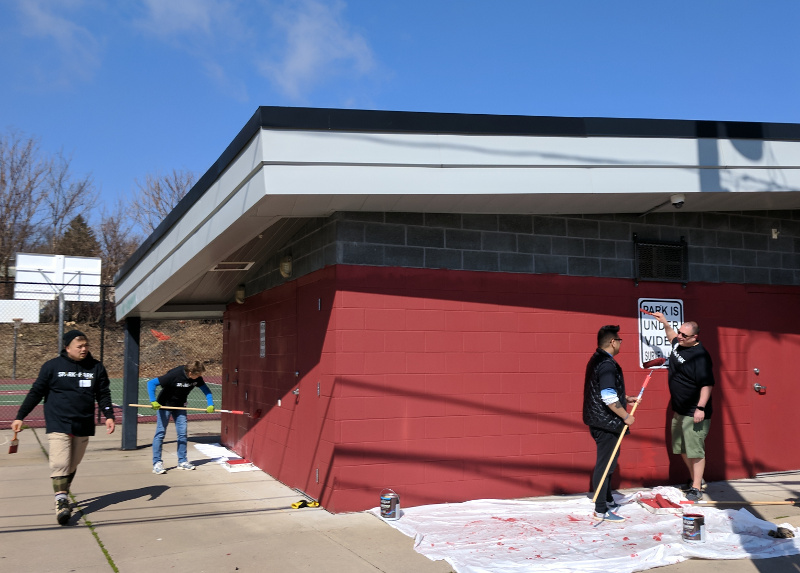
pixel 653 341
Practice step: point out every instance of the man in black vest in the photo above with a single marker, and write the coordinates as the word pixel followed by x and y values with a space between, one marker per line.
pixel 605 414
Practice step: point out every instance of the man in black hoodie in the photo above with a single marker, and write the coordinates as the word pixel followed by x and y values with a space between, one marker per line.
pixel 605 412
pixel 70 384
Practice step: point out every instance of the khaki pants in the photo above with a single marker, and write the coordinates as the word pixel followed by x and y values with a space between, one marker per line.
pixel 66 452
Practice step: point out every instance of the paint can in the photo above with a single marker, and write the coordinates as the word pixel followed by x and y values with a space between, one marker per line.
pixel 694 528
pixel 390 505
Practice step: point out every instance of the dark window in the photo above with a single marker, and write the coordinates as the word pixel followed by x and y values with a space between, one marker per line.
pixel 661 260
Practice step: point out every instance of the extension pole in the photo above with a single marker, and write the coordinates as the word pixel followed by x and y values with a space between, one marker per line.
pixel 194 409
pixel 742 502
pixel 656 362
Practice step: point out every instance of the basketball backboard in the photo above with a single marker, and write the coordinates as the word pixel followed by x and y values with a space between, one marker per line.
pixel 42 277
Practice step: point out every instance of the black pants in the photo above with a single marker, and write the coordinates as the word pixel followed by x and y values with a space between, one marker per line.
pixel 605 441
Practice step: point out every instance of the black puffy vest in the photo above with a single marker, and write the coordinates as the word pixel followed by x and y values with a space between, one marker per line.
pixel 595 412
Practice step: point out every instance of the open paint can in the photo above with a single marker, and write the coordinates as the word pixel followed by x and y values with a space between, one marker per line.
pixel 390 505
pixel 694 528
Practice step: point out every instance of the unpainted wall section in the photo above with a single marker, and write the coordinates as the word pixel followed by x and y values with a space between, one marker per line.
pixel 735 247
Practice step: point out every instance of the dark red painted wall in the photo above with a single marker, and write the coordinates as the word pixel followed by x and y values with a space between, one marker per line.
pixel 451 385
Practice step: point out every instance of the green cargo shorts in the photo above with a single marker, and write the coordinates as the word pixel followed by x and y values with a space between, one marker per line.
pixel 689 438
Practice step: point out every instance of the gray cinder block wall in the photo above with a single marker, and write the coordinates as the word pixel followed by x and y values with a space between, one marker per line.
pixel 723 247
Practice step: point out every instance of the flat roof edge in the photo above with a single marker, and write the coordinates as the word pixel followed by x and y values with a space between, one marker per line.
pixel 331 119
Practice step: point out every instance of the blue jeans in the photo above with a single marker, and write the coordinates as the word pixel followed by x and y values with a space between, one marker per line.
pixel 162 421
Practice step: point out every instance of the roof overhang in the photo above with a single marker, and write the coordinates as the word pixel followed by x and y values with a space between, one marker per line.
pixel 289 164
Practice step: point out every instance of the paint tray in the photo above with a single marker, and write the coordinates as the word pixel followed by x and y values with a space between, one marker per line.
pixel 660 505
pixel 239 465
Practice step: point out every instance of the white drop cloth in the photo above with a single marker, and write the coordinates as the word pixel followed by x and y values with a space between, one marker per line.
pixel 222 455
pixel 514 536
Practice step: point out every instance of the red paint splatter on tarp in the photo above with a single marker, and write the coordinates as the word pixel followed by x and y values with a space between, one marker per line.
pixel 634 555
pixel 657 537
pixel 513 549
pixel 507 519
pixel 572 518
pixel 623 539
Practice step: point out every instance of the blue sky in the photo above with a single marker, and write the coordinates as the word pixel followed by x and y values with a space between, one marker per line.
pixel 145 86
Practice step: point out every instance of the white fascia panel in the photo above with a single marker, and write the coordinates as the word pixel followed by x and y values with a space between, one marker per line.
pixel 756 153
pixel 445 149
pixel 173 261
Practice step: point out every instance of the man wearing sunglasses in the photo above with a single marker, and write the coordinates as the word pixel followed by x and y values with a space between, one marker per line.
pixel 605 411
pixel 690 381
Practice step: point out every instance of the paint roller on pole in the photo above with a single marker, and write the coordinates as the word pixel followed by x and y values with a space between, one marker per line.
pixel 649 365
pixel 240 412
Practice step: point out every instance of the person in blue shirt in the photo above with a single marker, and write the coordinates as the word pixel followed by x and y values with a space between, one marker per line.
pixel 175 387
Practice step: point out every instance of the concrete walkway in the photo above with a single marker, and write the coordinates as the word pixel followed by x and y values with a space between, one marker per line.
pixel 212 520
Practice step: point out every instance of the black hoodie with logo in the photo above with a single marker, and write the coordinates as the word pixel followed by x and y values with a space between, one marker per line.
pixel 70 389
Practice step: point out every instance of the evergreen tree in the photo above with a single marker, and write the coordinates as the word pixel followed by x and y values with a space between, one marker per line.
pixel 78 240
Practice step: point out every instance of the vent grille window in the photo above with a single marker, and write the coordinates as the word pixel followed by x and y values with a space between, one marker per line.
pixel 661 260
pixel 228 266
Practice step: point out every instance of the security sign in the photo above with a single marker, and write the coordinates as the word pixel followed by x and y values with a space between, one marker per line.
pixel 653 341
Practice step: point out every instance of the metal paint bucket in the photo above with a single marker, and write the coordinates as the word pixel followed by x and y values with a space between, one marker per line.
pixel 694 528
pixel 390 505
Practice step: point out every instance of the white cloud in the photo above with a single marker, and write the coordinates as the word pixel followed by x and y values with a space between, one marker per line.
pixel 319 44
pixel 76 49
pixel 208 30
pixel 169 17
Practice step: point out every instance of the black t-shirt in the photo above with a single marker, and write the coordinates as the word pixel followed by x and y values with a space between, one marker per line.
pixel 175 387
pixel 690 369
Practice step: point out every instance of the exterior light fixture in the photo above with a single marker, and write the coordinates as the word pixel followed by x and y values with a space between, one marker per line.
pixel 286 266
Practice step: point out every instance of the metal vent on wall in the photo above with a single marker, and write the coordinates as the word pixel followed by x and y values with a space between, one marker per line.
pixel 661 260
pixel 229 266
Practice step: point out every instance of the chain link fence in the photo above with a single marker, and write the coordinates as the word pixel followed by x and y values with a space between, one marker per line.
pixel 29 337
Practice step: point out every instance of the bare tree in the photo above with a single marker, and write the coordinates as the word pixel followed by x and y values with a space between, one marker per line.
pixel 158 195
pixel 22 174
pixel 118 240
pixel 65 198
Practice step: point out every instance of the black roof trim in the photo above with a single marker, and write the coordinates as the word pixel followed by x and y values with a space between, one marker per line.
pixel 316 119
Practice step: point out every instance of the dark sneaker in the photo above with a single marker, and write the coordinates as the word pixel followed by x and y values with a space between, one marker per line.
pixel 689 485
pixel 63 511
pixel 608 516
pixel 613 506
pixel 694 495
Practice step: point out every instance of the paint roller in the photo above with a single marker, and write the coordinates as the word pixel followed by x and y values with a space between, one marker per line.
pixel 654 362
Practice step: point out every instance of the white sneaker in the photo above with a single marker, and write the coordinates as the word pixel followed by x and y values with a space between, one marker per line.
pixel 158 468
pixel 185 466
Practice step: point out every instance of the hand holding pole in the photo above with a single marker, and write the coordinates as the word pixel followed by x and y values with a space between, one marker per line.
pixel 650 364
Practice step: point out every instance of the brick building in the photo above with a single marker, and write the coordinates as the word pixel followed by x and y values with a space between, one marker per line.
pixel 409 299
